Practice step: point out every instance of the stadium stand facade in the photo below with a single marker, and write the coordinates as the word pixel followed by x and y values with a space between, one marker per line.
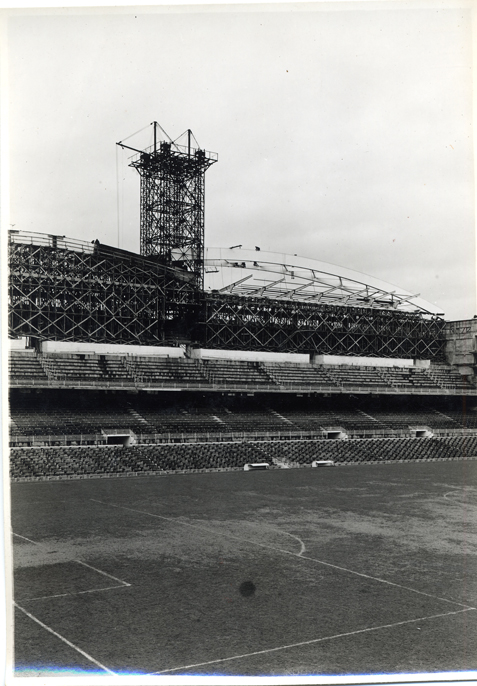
pixel 401 384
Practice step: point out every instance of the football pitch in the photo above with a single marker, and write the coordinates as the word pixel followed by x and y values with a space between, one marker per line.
pixel 365 569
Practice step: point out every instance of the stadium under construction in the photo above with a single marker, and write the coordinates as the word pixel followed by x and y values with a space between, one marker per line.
pixel 211 363
pixel 256 332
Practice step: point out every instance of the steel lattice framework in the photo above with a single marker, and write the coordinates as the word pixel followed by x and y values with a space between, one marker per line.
pixel 74 291
pixel 67 290
pixel 172 202
pixel 244 323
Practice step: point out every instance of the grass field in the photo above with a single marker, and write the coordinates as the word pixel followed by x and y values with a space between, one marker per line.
pixel 354 570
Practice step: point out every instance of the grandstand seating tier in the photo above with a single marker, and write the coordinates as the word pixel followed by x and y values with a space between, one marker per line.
pixel 67 462
pixel 64 415
pixel 57 369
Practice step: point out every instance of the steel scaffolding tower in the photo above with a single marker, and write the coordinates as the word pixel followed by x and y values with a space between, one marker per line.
pixel 172 201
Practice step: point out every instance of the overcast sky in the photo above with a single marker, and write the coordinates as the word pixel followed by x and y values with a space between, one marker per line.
pixel 343 134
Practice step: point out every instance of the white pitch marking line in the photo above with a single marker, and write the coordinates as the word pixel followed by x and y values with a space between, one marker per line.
pixel 65 640
pixel 287 552
pixel 80 562
pixel 455 499
pixel 110 576
pixel 63 595
pixel 287 533
pixel 449 493
pixel 302 549
pixel 26 539
pixel 314 640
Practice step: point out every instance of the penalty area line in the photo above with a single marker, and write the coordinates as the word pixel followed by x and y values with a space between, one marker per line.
pixel 80 562
pixel 100 571
pixel 65 640
pixel 311 642
pixel 299 555
pixel 65 595
pixel 25 538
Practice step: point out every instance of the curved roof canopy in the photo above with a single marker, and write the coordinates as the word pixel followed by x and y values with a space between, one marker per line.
pixel 256 273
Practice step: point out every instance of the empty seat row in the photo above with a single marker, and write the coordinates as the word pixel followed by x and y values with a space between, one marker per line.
pixel 157 369
pixel 76 461
pixel 52 461
pixel 161 370
pixel 236 372
pixel 25 365
pixel 53 413
pixel 299 375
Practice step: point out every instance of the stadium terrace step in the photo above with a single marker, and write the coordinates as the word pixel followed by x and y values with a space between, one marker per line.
pixel 299 375
pixel 157 370
pixel 25 365
pixel 69 413
pixel 236 372
pixel 446 376
pixel 44 463
pixel 27 369
pixel 344 375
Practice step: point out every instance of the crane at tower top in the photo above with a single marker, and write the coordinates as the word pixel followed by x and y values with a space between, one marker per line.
pixel 185 144
pixel 172 199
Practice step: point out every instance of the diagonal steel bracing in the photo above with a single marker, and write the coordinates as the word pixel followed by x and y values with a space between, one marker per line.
pixel 285 326
pixel 85 292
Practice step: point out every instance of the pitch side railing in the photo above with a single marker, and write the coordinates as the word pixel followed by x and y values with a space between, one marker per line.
pixel 211 437
pixel 246 388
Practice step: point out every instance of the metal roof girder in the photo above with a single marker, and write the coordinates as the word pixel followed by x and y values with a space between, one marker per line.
pixel 231 286
pixel 261 290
